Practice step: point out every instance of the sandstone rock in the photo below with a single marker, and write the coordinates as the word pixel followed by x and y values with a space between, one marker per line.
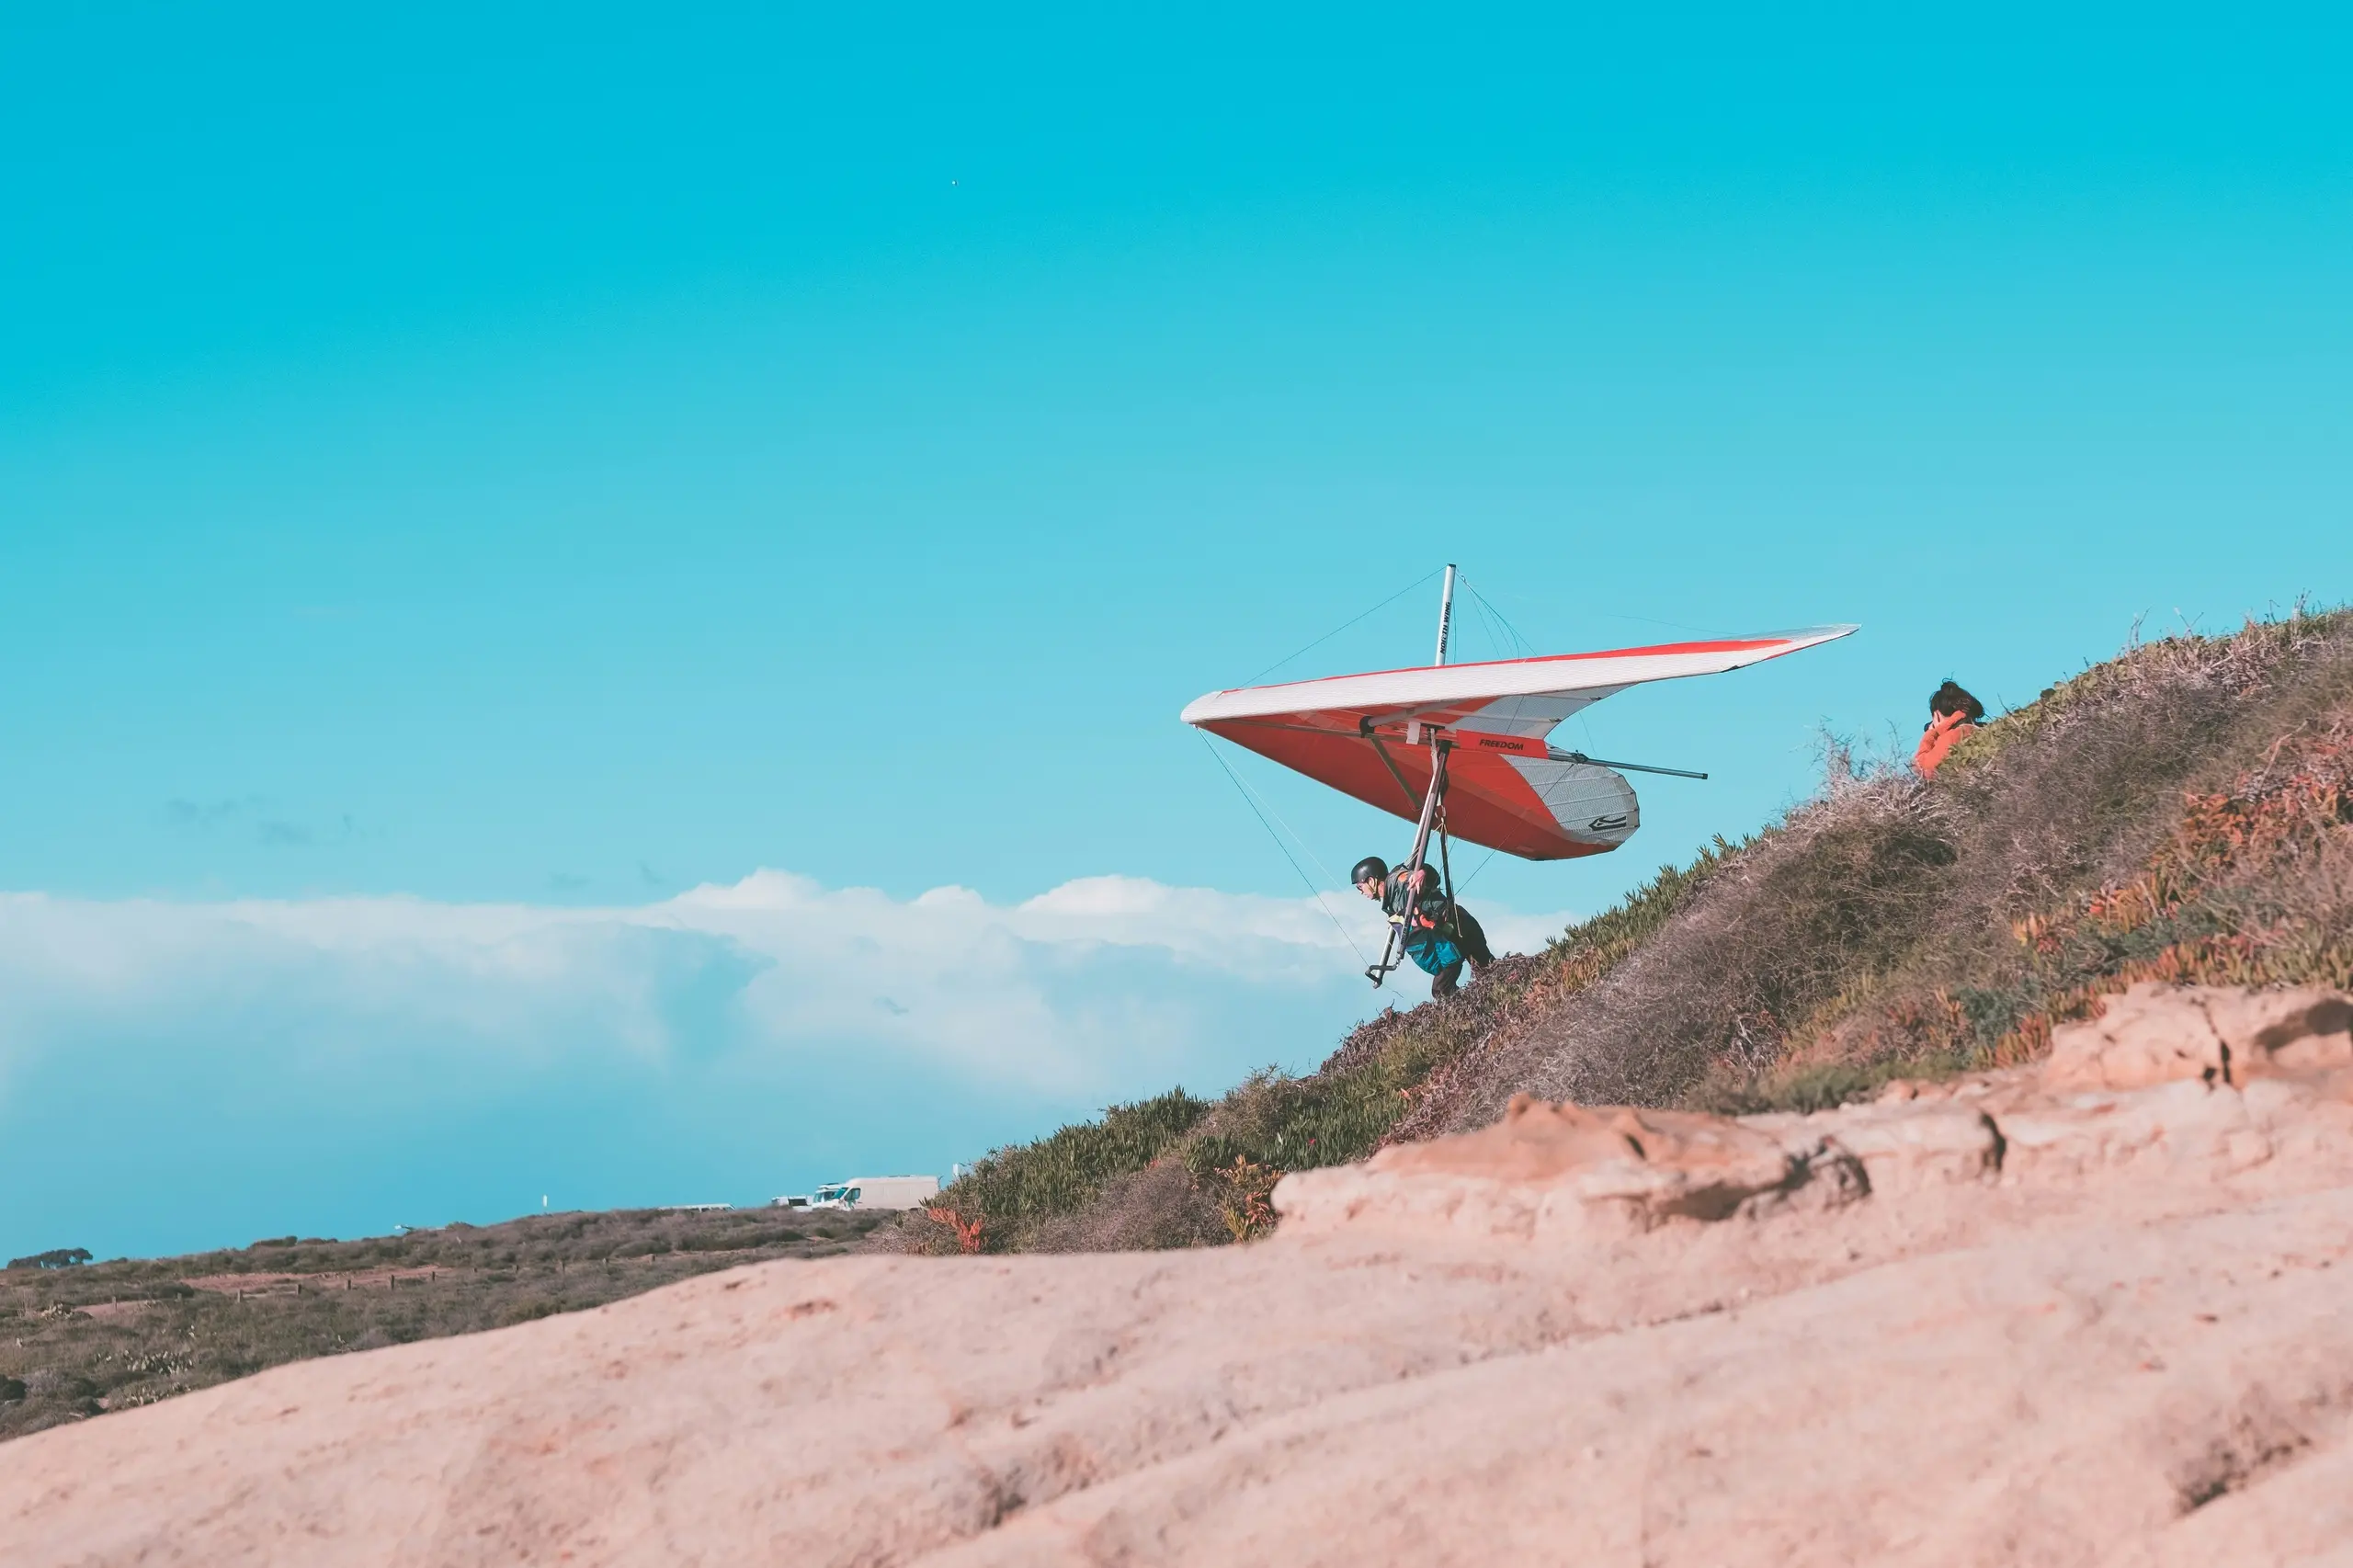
pixel 1553 1168
pixel 2180 1132
pixel 1991 1323
pixel 2299 1030
pixel 2157 1033
pixel 1907 1143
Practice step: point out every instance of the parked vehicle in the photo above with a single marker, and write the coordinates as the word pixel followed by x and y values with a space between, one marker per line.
pixel 877 1192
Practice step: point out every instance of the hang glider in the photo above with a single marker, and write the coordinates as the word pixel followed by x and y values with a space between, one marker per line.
pixel 1383 737
pixel 1463 750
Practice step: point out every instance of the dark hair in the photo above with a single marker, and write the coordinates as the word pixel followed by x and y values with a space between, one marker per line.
pixel 1950 699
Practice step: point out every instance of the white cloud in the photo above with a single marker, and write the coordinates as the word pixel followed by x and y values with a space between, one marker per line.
pixel 396 1012
pixel 1002 991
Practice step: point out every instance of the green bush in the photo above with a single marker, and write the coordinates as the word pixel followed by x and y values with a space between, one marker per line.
pixel 57 1258
pixel 1016 1188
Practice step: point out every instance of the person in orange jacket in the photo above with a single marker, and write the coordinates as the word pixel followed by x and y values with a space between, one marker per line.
pixel 1953 713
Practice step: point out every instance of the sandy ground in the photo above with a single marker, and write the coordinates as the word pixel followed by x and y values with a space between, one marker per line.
pixel 2098 1314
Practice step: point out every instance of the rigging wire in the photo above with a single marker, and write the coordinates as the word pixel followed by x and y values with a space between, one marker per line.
pixel 1507 638
pixel 1384 603
pixel 1470 618
pixel 1521 645
pixel 1508 641
pixel 1483 866
pixel 1474 613
pixel 1284 822
pixel 1312 891
pixel 1645 620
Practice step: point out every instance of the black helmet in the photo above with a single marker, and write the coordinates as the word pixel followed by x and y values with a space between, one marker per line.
pixel 1372 869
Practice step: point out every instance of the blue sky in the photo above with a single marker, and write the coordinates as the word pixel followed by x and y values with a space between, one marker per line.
pixel 558 460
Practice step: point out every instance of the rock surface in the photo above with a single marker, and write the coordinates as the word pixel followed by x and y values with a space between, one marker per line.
pixel 2156 1034
pixel 2098 1314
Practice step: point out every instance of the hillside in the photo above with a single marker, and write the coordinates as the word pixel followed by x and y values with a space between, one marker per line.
pixel 2183 812
pixel 80 1339
pixel 2177 813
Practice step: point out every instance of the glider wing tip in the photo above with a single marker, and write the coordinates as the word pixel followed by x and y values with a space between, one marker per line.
pixel 1828 632
pixel 1802 637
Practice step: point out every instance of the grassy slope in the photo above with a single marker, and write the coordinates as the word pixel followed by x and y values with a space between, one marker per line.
pixel 2178 813
pixel 74 1342
pixel 1180 1171
pixel 2184 811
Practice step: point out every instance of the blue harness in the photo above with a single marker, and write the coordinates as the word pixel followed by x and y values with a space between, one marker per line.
pixel 1432 951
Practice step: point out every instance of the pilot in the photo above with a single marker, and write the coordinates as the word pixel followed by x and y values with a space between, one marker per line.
pixel 1442 937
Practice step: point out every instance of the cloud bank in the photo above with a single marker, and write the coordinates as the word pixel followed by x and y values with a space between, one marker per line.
pixel 175 1074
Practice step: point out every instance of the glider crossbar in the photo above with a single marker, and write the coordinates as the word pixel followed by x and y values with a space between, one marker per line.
pixel 1392 952
pixel 1387 762
pixel 1559 756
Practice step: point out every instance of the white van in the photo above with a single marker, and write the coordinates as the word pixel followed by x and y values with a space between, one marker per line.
pixel 878 1192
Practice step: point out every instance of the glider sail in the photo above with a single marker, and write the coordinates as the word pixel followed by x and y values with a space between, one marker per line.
pixel 1381 737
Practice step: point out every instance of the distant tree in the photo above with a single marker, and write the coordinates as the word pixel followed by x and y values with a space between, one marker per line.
pixel 59 1258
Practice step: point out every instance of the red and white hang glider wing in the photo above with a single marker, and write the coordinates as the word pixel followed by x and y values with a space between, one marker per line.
pixel 1506 788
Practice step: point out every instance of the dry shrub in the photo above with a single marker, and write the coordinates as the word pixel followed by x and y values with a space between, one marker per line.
pixel 78 1342
pixel 1160 1207
pixel 1871 932
pixel 1781 926
pixel 1246 1198
pixel 2253 886
pixel 1511 1018
pixel 925 1232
